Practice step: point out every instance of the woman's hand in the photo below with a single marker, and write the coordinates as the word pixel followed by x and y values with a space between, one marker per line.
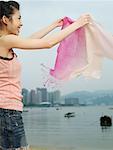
pixel 58 22
pixel 83 20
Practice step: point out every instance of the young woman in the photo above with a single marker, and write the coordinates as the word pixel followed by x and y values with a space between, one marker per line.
pixel 12 134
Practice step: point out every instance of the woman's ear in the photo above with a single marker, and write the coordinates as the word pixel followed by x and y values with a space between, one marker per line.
pixel 5 20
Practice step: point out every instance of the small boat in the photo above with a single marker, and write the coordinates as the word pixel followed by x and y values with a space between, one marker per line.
pixel 105 121
pixel 69 114
pixel 25 110
pixel 57 108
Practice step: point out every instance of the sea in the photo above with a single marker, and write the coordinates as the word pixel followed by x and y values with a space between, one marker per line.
pixel 48 127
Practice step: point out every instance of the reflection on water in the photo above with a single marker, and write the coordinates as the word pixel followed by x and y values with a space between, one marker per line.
pixel 48 127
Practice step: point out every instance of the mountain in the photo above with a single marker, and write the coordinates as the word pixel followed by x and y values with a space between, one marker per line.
pixel 89 96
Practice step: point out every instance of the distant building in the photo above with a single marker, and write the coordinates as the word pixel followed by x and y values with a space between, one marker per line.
pixel 57 97
pixel 25 94
pixel 39 96
pixel 72 101
pixel 51 97
pixel 42 94
pixel 54 97
pixel 33 97
pixel 103 100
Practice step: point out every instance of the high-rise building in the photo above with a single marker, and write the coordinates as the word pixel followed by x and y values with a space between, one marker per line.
pixel 33 97
pixel 39 96
pixel 42 94
pixel 54 97
pixel 51 97
pixel 25 94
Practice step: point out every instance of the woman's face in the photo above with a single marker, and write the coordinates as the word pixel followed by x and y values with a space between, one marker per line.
pixel 15 23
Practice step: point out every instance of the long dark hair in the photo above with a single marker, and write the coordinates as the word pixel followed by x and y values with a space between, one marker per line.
pixel 7 8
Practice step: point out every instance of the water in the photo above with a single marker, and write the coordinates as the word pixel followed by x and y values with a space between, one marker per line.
pixel 48 127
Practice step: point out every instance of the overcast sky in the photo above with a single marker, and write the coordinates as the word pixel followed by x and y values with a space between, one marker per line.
pixel 37 14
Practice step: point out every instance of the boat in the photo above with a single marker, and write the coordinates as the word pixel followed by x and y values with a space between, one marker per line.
pixel 105 121
pixel 69 114
pixel 25 110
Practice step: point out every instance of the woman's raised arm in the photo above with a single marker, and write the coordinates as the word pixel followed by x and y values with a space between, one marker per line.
pixel 13 41
pixel 43 32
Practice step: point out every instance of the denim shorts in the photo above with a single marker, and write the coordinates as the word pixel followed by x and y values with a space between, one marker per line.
pixel 12 133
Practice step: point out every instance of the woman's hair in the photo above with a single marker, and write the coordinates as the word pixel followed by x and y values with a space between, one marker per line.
pixel 7 8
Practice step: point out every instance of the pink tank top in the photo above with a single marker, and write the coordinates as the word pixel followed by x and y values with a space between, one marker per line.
pixel 10 86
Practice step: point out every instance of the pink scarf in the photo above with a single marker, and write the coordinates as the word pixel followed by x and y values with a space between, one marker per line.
pixel 81 53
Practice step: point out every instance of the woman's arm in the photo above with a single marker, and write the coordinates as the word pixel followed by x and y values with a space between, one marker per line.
pixel 13 41
pixel 43 32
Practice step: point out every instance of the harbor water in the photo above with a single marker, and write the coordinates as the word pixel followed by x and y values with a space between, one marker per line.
pixel 47 127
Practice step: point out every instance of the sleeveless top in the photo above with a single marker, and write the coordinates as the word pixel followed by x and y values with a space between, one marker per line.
pixel 10 86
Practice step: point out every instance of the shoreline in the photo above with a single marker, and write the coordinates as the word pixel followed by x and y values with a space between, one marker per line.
pixel 54 148
pixel 51 148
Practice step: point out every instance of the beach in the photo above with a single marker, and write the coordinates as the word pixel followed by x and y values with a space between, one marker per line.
pixel 45 148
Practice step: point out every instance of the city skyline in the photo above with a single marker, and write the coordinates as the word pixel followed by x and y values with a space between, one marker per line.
pixel 38 14
pixel 42 97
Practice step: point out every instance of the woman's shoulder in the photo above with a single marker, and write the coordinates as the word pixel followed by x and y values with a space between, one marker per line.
pixel 7 40
pixel 8 37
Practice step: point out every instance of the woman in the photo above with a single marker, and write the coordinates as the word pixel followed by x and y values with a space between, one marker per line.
pixel 12 134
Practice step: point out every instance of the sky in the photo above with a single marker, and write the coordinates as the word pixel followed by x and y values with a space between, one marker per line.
pixel 37 14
